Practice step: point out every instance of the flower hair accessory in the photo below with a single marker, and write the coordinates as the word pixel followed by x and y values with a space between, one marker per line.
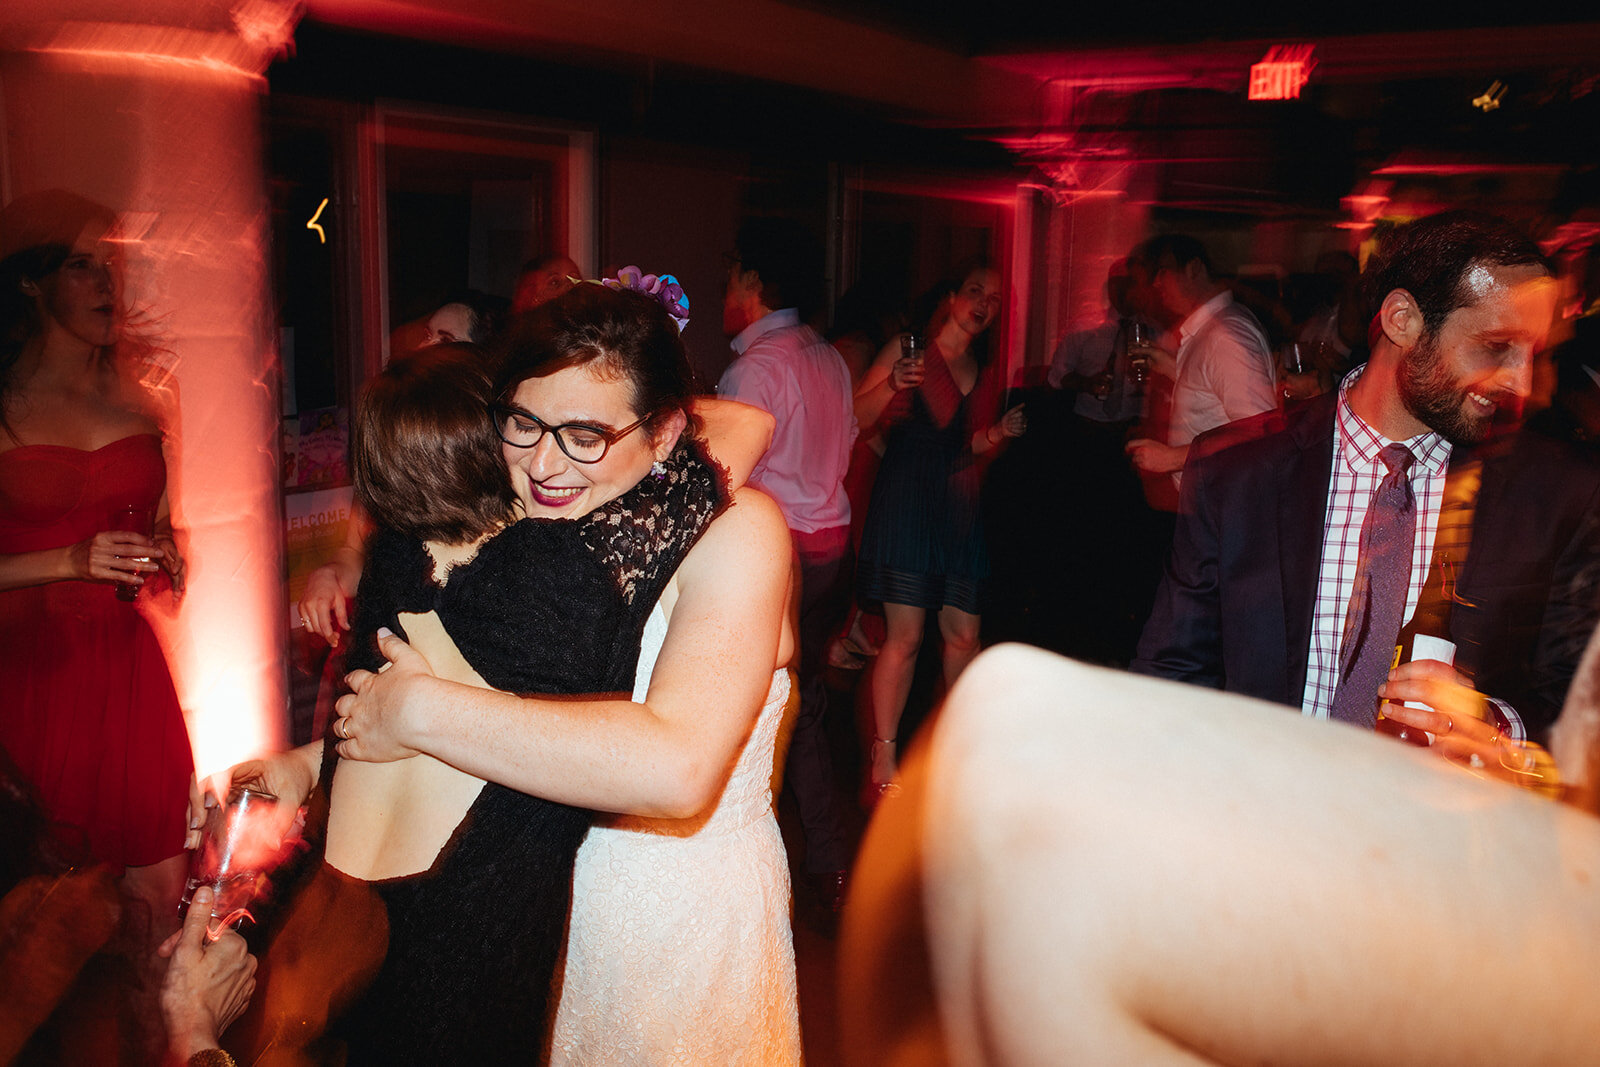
pixel 664 288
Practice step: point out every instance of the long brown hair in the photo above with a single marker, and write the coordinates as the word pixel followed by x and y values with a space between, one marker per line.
pixel 37 234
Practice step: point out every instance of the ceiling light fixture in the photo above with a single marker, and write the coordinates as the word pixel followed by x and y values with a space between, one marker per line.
pixel 1491 96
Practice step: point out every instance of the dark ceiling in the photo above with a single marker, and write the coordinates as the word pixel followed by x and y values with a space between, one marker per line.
pixel 1212 149
pixel 973 27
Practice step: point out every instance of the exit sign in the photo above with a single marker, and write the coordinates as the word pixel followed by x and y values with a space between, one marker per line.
pixel 1282 72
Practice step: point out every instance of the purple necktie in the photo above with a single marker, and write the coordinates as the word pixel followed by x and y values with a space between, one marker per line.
pixel 1378 601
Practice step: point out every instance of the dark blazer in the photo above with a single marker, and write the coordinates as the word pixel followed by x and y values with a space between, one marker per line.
pixel 1234 610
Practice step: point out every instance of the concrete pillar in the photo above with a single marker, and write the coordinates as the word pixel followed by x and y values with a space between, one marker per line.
pixel 153 108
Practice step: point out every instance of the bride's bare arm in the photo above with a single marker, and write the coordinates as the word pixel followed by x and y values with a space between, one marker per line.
pixel 666 757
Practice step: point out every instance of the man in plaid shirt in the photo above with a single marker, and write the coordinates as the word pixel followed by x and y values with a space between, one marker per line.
pixel 1264 557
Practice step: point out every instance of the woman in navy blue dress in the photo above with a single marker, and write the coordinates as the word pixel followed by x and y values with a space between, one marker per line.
pixel 922 547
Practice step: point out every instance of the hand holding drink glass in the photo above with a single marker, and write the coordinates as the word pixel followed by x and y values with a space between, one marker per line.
pixel 1299 377
pixel 1427 703
pixel 240 844
pixel 127 559
pixel 908 370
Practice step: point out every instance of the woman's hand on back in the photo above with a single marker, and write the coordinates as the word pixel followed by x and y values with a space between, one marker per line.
pixel 374 723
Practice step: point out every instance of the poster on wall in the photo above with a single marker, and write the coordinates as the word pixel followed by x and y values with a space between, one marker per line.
pixel 314 445
pixel 316 523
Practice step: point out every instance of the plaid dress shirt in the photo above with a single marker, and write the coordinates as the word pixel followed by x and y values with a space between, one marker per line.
pixel 1357 470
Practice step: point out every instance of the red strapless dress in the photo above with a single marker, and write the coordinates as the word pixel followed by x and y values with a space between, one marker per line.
pixel 87 708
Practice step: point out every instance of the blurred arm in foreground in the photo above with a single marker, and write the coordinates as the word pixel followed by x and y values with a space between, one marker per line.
pixel 1190 845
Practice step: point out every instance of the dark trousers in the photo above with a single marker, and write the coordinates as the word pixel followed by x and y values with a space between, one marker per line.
pixel 824 597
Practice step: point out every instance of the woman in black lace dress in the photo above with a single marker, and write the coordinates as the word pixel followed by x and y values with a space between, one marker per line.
pixel 475 878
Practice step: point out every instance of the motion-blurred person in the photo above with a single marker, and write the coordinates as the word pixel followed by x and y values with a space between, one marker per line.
pixel 62 997
pixel 1238 886
pixel 207 987
pixel 1093 362
pixel 868 314
pixel 786 369
pixel 467 315
pixel 543 278
pixel 1223 369
pixel 1336 321
pixel 1299 555
pixel 923 545
pixel 1574 411
pixel 1085 552
pixel 87 707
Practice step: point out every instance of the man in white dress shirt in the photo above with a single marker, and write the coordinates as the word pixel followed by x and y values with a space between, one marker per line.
pixel 1223 368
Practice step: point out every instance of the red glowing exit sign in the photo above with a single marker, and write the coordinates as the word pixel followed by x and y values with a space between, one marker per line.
pixel 1282 72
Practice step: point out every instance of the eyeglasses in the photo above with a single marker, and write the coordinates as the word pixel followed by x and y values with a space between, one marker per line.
pixel 581 442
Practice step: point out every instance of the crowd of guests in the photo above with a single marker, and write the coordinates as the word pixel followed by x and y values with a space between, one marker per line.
pixel 542 825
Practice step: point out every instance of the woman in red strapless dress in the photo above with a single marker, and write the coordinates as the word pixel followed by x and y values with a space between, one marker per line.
pixel 87 707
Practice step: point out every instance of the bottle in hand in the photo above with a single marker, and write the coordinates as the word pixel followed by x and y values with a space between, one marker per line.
pixel 1426 636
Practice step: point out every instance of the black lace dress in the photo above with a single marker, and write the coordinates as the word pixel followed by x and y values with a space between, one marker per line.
pixel 545 606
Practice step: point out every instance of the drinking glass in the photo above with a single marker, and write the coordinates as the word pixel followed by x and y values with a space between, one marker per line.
pixel 239 846
pixel 1295 359
pixel 1140 340
pixel 133 519
pixel 912 347
pixel 1299 378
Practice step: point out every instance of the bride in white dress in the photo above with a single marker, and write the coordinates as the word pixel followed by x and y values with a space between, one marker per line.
pixel 679 949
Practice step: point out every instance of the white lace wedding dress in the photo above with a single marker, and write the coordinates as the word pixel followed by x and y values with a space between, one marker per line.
pixel 679 948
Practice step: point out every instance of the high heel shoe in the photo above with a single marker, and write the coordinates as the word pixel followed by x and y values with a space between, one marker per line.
pixel 879 787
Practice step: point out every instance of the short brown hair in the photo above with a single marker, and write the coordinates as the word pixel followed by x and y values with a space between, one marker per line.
pixel 1431 258
pixel 427 461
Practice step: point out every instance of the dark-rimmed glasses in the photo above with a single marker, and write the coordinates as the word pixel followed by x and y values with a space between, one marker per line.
pixel 580 441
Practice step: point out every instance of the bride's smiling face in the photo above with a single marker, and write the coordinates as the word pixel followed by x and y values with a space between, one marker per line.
pixel 552 485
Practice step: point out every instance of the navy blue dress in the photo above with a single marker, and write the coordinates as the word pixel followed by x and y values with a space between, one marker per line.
pixel 922 544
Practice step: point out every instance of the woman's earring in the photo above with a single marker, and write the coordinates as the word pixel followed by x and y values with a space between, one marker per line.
pixel 658 470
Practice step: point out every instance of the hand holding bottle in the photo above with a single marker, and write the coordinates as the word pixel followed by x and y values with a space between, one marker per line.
pixel 1458 719
pixel 1433 696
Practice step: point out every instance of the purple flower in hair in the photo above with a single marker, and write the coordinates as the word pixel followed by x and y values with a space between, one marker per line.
pixel 664 288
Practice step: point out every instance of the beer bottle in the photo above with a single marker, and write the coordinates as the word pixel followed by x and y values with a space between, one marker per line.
pixel 1425 636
